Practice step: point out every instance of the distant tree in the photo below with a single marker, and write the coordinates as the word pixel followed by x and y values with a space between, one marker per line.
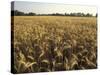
pixel 66 14
pixel 79 14
pixel 31 14
pixel 88 15
pixel 96 15
pixel 18 13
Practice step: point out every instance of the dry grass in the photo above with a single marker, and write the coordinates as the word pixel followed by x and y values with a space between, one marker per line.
pixel 54 43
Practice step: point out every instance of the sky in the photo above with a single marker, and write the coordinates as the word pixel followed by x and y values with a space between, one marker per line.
pixel 48 8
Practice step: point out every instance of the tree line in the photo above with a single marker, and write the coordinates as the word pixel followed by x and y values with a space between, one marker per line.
pixel 19 13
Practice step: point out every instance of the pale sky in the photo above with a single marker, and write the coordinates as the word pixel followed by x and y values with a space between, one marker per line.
pixel 47 8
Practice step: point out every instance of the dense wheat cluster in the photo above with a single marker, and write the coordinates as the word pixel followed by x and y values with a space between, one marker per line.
pixel 54 43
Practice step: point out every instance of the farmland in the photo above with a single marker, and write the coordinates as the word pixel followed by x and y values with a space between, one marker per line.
pixel 54 43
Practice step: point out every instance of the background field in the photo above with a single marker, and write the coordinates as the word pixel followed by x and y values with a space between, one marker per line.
pixel 54 43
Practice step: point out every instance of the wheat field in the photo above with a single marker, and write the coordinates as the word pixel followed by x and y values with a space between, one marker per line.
pixel 54 43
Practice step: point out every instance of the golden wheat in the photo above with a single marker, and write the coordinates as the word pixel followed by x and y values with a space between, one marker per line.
pixel 53 43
